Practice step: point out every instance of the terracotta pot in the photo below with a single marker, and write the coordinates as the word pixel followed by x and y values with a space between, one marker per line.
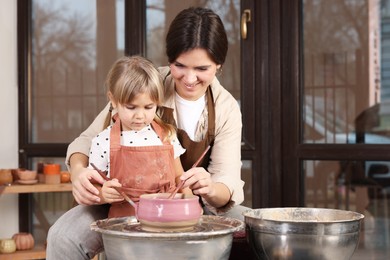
pixel 65 177
pixel 5 176
pixel 51 168
pixel 52 173
pixel 23 241
pixel 27 175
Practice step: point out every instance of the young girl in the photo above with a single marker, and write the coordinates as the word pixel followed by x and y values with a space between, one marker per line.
pixel 139 151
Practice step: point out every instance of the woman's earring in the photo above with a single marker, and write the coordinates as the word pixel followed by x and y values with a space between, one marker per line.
pixel 111 108
pixel 219 71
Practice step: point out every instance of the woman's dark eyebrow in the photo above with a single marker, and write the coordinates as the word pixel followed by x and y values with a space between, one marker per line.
pixel 178 63
pixel 201 66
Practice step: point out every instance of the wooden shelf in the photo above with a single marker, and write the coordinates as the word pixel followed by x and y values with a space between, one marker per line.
pixel 35 188
pixel 38 252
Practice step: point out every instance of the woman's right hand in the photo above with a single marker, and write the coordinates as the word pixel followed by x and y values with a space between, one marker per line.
pixel 84 192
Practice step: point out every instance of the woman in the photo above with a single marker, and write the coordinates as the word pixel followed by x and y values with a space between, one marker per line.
pixel 205 114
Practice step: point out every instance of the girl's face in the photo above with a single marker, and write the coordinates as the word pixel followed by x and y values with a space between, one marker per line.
pixel 137 114
pixel 193 72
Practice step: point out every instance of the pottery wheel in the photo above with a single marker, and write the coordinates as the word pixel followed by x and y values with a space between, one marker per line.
pixel 207 226
pixel 142 228
pixel 201 226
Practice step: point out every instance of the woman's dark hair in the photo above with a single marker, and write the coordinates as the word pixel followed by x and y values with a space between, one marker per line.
pixel 197 27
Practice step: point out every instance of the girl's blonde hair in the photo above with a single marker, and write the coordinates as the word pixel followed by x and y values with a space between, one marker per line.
pixel 133 75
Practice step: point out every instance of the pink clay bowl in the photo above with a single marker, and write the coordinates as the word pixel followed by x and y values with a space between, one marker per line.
pixel 156 212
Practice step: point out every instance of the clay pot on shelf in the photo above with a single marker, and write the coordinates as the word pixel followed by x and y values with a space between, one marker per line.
pixel 52 173
pixel 6 176
pixel 15 174
pixel 23 241
pixel 65 177
pixel 27 175
pixel 7 246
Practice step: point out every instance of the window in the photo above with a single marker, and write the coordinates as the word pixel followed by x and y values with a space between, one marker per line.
pixel 65 49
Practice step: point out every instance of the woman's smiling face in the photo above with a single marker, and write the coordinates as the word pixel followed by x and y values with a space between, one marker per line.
pixel 193 71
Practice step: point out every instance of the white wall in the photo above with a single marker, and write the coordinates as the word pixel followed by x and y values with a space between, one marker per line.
pixel 8 112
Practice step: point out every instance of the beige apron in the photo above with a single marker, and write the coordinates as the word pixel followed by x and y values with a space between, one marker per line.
pixel 140 170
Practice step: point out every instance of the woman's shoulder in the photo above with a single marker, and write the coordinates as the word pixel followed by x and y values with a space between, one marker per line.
pixel 227 109
pixel 222 97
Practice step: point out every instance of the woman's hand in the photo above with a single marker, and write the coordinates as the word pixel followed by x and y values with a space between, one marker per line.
pixel 199 181
pixel 109 193
pixel 84 192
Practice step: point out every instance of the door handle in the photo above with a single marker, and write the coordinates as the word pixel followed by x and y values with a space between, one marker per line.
pixel 245 18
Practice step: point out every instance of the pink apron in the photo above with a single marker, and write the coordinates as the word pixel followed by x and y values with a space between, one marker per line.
pixel 140 170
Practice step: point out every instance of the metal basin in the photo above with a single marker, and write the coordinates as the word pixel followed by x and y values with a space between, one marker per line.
pixel 303 233
pixel 211 238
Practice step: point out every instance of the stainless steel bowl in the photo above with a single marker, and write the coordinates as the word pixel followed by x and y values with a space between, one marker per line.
pixel 211 238
pixel 303 233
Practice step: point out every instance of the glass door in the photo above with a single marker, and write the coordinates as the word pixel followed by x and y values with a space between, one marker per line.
pixel 345 113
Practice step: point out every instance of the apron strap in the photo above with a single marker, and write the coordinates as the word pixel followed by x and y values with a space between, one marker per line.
pixel 115 134
pixel 160 132
pixel 211 116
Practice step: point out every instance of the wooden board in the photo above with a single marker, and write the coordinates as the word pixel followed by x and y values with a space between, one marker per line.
pixel 34 188
pixel 37 252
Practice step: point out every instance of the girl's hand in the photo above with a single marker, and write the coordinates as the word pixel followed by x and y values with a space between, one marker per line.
pixel 109 194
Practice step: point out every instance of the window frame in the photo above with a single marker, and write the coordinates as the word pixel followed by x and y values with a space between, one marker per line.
pixel 134 44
